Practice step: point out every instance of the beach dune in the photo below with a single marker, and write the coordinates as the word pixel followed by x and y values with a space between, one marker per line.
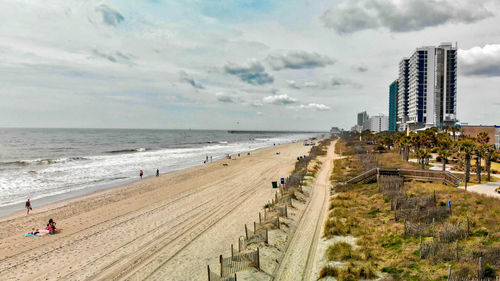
pixel 165 228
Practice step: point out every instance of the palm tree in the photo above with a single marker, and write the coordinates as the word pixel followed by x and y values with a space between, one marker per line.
pixel 405 143
pixel 445 144
pixel 489 153
pixel 423 156
pixel 454 130
pixel 467 145
pixel 482 139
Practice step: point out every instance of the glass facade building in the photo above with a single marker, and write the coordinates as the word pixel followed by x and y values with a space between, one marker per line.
pixel 393 105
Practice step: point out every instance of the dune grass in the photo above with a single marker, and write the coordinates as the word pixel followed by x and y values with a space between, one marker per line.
pixel 361 211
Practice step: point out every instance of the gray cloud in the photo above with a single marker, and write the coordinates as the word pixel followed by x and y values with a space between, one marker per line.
pixel 480 61
pixel 282 99
pixel 109 15
pixel 361 68
pixel 402 16
pixel 298 60
pixel 251 73
pixel 190 80
pixel 116 57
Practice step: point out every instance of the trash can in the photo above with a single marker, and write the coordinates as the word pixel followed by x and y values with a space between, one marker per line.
pixel 282 180
pixel 275 184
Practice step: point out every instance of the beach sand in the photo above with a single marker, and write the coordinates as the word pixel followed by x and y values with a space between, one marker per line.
pixel 165 228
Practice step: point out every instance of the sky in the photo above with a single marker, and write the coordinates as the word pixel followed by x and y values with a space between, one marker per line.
pixel 232 64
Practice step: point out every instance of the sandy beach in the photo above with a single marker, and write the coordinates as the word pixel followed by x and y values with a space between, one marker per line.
pixel 165 228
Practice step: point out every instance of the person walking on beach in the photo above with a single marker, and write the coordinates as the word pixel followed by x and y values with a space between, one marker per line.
pixel 28 207
pixel 157 172
pixel 210 158
pixel 141 173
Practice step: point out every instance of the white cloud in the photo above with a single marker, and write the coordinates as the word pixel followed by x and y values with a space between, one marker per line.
pixel 282 99
pixel 483 61
pixel 315 106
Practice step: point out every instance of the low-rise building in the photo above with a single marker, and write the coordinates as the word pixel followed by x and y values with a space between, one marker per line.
pixel 377 124
pixel 493 132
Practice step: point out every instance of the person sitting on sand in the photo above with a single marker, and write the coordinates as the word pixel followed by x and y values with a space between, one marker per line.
pixel 51 226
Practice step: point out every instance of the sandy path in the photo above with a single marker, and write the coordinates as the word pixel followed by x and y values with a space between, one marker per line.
pixel 165 228
pixel 301 254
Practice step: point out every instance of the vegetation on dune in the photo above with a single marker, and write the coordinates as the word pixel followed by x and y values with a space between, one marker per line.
pixel 381 247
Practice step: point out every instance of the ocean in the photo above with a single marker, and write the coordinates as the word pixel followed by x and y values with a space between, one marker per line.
pixel 48 163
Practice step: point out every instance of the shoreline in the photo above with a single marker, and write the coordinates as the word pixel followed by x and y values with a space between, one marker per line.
pixel 53 201
pixel 168 227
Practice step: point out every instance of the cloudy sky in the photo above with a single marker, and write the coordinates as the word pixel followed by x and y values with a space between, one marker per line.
pixel 232 64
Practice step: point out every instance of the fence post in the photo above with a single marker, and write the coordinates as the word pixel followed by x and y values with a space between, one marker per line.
pixel 286 212
pixel 235 278
pixel 246 231
pixel 258 259
pixel 208 267
pixel 405 227
pixel 239 245
pixel 267 236
pixel 221 266
pixel 276 197
pixel 480 270
pixel 260 218
pixel 449 272
pixel 435 197
pixel 420 247
pixel 468 227
pixel 254 227
pixel 457 252
pixel 232 252
pixel 265 214
pixel 279 226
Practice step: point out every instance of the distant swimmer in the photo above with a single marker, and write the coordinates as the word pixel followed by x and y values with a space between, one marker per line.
pixel 28 207
pixel 141 173
pixel 157 172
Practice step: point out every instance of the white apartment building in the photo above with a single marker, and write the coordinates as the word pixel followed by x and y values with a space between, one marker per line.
pixel 431 94
pixel 377 124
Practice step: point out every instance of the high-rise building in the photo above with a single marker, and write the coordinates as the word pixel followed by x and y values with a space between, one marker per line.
pixel 393 105
pixel 362 117
pixel 377 124
pixel 402 103
pixel 432 88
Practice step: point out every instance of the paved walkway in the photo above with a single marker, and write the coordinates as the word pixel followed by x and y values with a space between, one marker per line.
pixel 485 188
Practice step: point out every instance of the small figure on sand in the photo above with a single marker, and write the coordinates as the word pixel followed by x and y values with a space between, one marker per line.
pixel 157 172
pixel 210 158
pixel 28 207
pixel 51 227
pixel 206 159
pixel 141 173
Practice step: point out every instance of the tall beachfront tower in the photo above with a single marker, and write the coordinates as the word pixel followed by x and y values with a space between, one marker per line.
pixel 403 82
pixel 362 117
pixel 393 105
pixel 432 87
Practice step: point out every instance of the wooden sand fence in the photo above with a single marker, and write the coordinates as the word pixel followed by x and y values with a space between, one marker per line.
pixel 270 218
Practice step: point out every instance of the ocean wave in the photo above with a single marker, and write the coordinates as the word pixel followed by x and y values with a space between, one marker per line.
pixel 44 161
pixel 129 150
